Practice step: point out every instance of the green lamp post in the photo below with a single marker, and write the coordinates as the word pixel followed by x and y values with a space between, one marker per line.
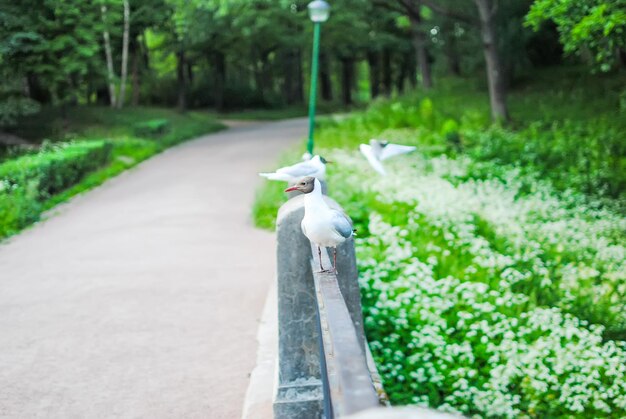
pixel 318 12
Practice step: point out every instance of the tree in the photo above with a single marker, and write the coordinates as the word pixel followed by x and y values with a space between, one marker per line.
pixel 588 28
pixel 495 70
pixel 345 35
pixel 124 70
pixel 413 9
pixel 109 57
pixel 18 40
pixel 486 22
pixel 66 52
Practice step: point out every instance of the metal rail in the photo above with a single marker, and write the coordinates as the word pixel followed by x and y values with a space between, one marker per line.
pixel 346 378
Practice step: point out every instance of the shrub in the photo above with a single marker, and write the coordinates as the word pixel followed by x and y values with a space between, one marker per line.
pixel 153 128
pixel 26 182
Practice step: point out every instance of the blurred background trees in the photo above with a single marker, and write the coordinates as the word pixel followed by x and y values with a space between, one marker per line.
pixel 240 54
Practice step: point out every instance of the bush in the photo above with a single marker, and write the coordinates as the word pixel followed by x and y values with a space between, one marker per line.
pixel 153 128
pixel 26 182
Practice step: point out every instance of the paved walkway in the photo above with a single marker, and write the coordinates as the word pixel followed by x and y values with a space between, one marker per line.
pixel 141 298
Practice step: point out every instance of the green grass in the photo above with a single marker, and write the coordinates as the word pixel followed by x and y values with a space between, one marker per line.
pixel 105 122
pixel 567 125
pixel 134 135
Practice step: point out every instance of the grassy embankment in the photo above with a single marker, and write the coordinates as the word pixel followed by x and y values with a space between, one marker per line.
pixel 566 126
pixel 35 179
pixel 493 259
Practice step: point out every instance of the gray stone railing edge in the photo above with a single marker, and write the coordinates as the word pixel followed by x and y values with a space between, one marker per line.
pixel 350 385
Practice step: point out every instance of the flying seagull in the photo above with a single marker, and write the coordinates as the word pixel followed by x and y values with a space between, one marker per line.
pixel 315 167
pixel 378 150
pixel 322 225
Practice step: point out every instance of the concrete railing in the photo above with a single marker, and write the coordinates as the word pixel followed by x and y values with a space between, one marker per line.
pixel 323 365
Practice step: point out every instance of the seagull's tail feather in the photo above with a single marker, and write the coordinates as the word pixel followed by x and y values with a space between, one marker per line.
pixel 276 176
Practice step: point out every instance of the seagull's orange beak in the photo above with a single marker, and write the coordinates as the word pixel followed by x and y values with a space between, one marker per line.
pixel 291 188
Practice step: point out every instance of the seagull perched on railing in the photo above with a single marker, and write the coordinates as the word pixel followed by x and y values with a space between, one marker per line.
pixel 315 167
pixel 378 150
pixel 322 225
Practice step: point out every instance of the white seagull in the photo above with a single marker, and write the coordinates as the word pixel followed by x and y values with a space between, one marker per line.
pixel 378 150
pixel 315 167
pixel 322 225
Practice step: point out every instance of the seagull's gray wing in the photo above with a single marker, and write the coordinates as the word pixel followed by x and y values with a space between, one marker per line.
pixel 391 150
pixel 298 170
pixel 342 224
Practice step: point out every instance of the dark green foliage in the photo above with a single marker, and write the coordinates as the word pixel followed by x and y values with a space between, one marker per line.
pixel 153 128
pixel 593 29
pixel 555 151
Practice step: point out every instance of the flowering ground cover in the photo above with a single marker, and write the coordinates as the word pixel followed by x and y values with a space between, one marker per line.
pixel 483 302
pixel 492 261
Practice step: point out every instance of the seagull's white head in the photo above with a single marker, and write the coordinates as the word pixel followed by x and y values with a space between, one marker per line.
pixel 304 185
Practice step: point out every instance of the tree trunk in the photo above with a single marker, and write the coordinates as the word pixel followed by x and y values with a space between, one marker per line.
pixel 267 80
pixel 404 69
pixel 124 71
pixel 495 71
pixel 413 71
pixel 109 58
pixel 292 85
pixel 621 56
pixel 421 53
pixel 299 78
pixel 145 52
pixel 182 83
pixel 258 76
pixel 288 59
pixel 190 72
pixel 219 80
pixel 135 75
pixel 450 49
pixel 387 74
pixel 36 91
pixel 325 81
pixel 347 73
pixel 374 64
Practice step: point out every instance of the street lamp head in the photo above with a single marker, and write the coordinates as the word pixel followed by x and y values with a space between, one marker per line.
pixel 319 11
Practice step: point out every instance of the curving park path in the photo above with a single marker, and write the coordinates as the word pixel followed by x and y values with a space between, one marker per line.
pixel 141 298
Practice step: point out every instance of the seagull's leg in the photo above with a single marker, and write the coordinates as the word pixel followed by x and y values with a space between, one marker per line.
pixel 319 252
pixel 335 261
